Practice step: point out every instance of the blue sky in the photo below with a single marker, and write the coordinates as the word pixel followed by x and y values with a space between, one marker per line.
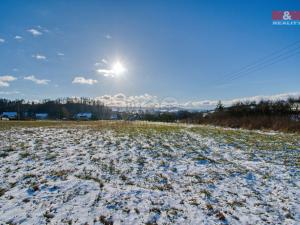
pixel 178 49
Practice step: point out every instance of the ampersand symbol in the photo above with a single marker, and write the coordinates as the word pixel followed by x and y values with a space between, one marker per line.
pixel 286 15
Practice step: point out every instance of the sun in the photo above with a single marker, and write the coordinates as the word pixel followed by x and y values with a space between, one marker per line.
pixel 118 68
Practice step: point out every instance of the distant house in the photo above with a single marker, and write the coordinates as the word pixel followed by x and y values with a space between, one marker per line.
pixel 115 116
pixel 10 115
pixel 295 117
pixel 205 114
pixel 133 117
pixel 83 116
pixel 41 116
pixel 296 107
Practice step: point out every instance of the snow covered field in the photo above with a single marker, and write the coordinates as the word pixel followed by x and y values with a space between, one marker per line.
pixel 134 173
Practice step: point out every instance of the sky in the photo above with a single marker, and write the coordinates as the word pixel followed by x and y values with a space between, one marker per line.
pixel 178 51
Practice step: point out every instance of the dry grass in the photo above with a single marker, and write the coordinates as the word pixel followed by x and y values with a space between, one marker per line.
pixel 120 126
pixel 279 123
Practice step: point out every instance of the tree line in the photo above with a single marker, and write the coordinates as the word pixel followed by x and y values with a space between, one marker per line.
pixel 62 108
pixel 275 115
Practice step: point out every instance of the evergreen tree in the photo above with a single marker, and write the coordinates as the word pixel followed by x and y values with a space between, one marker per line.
pixel 219 107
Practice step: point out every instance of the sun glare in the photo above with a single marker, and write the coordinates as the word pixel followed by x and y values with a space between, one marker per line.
pixel 118 68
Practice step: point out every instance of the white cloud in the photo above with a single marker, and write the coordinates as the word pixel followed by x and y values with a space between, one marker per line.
pixel 9 92
pixel 103 62
pixel 258 98
pixel 82 80
pixel 2 40
pixel 43 29
pixel 4 80
pixel 121 100
pixel 108 36
pixel 39 57
pixel 106 72
pixel 113 70
pixel 37 81
pixel 150 101
pixel 60 54
pixel 19 38
pixel 207 104
pixel 35 32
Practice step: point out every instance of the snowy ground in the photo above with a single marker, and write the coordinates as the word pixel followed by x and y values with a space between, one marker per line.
pixel 148 174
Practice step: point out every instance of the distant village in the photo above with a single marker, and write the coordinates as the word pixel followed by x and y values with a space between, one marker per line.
pixel 84 109
pixel 169 115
